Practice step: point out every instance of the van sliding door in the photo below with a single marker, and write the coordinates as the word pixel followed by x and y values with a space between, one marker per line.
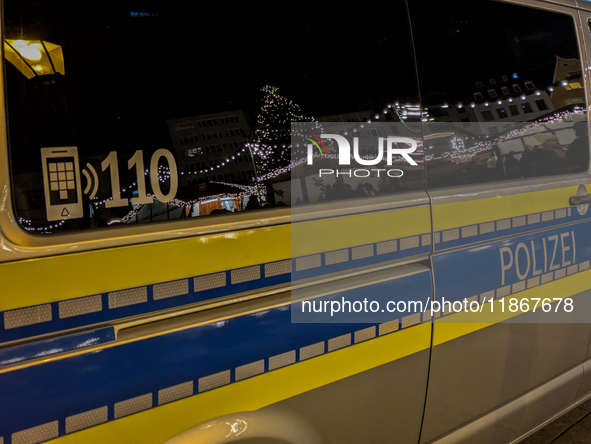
pixel 507 148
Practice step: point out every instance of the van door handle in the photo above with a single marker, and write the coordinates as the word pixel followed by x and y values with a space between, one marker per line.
pixel 580 200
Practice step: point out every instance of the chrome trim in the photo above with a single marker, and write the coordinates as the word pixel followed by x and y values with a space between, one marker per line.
pixel 16 243
pixel 463 193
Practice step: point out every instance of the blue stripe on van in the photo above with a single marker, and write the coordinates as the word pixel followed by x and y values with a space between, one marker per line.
pixel 52 346
pixel 476 270
pixel 55 390
pixel 193 295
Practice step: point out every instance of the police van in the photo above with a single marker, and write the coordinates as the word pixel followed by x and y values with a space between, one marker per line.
pixel 158 237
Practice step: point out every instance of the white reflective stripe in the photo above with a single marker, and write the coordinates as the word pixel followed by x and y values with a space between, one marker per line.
pixel 559 273
pixel 339 342
pixel 519 286
pixel 503 224
pixel 245 274
pixel 175 392
pixel 533 282
pixel 470 231
pixel 213 381
pixel 336 257
pixel 307 262
pixel 487 227
pixel 311 350
pixel 278 268
pixel 387 247
pixel 412 319
pixel 133 405
pixel 202 283
pixel 518 221
pixel 547 277
pixel 86 419
pixel 248 370
pixel 128 297
pixel 533 219
pixel 171 289
pixel 77 307
pixel 409 242
pixel 362 252
pixel 365 334
pixel 27 316
pixel 37 434
pixel 451 235
pixel 503 291
pixel 282 360
pixel 389 327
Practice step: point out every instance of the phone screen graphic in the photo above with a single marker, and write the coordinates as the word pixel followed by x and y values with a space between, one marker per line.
pixel 61 180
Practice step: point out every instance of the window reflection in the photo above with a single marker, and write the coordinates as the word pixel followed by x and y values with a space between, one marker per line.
pixel 168 121
pixel 464 153
pixel 503 64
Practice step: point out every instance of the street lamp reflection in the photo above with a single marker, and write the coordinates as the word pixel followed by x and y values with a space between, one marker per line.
pixel 35 57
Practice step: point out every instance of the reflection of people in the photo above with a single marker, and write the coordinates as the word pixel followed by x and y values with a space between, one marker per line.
pixel 549 155
pixel 577 155
pixel 342 190
pixel 253 203
pixel 511 166
pixel 93 221
pixel 382 186
pixel 395 184
pixel 361 190
pixel 473 171
pixel 390 185
pixel 328 192
pixel 550 143
pixel 528 161
pixel 491 162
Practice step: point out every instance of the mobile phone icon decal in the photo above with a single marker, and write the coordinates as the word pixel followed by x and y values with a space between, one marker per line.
pixel 61 183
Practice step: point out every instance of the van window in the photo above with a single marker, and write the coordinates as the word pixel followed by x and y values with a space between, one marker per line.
pixel 121 116
pixel 537 127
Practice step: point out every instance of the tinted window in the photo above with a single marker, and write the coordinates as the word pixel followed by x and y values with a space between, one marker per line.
pixel 514 73
pixel 125 113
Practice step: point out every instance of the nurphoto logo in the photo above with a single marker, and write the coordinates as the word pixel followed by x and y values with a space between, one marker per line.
pixel 392 144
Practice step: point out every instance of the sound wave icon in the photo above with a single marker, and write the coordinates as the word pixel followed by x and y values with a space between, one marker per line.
pixel 90 181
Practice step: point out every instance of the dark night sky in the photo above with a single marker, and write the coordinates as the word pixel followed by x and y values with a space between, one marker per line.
pixel 125 76
pixel 482 40
pixel 192 59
